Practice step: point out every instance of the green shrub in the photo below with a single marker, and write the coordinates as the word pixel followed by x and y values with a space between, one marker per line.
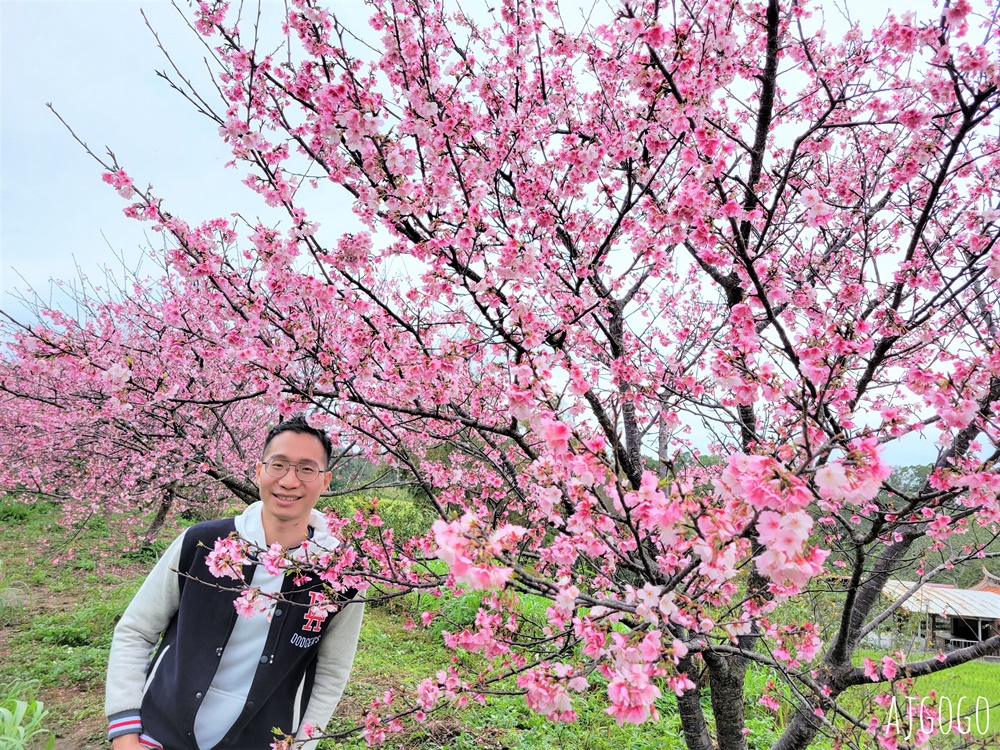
pixel 148 552
pixel 21 719
pixel 82 563
pixel 61 633
pixel 90 624
pixel 399 511
pixel 15 511
pixel 12 605
pixel 460 610
pixel 198 512
pixel 55 666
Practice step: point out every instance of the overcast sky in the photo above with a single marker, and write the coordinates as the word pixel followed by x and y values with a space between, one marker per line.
pixel 96 62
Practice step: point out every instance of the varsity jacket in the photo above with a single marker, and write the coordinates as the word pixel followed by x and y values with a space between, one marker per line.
pixel 288 671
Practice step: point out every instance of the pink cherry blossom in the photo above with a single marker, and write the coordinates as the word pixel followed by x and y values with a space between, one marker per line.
pixel 227 558
pixel 632 696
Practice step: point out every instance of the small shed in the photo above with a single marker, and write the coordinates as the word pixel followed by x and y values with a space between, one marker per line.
pixel 952 617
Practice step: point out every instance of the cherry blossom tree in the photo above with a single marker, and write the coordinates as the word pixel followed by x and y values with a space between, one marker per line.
pixel 117 413
pixel 121 409
pixel 674 280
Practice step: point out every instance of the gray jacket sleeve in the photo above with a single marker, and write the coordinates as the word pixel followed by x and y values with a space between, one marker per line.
pixel 336 655
pixel 138 632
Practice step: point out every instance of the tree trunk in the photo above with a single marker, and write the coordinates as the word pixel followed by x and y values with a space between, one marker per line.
pixel 726 675
pixel 244 490
pixel 801 731
pixel 166 503
pixel 693 724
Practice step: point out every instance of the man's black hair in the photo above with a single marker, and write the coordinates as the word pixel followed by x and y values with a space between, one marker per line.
pixel 299 424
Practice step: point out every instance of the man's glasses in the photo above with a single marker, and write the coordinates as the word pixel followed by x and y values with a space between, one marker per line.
pixel 278 469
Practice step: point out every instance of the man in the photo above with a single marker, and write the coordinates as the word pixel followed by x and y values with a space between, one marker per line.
pixel 222 681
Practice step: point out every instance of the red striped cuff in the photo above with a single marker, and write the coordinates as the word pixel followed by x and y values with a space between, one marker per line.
pixel 125 722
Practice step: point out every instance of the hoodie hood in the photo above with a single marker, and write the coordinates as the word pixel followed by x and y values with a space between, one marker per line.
pixel 250 526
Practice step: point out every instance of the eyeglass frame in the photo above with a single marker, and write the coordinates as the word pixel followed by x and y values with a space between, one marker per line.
pixel 291 465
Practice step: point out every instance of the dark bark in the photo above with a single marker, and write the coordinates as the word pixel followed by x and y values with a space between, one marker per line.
pixel 765 114
pixel 802 729
pixel 244 490
pixel 693 724
pixel 726 675
pixel 166 503
pixel 632 458
pixel 989 647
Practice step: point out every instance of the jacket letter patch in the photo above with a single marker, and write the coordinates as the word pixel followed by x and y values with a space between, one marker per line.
pixel 315 615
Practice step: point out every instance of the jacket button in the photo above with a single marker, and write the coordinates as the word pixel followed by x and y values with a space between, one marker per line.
pixel 218 651
pixel 277 613
pixel 198 695
pixel 249 704
pixel 263 659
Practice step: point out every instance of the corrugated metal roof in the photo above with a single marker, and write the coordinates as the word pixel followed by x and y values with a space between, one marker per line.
pixel 945 600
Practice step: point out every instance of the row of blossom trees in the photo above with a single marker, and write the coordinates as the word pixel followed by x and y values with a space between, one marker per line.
pixel 699 215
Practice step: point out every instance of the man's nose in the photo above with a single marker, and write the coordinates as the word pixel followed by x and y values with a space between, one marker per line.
pixel 291 479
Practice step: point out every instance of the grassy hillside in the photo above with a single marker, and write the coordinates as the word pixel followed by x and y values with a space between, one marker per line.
pixel 63 588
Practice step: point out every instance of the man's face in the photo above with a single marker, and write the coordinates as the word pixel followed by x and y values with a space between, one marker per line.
pixel 289 499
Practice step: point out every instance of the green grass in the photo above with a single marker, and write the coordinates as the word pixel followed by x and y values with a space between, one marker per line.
pixel 56 622
pixel 978 682
pixel 15 599
pixel 70 646
pixel 392 657
pixel 58 632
